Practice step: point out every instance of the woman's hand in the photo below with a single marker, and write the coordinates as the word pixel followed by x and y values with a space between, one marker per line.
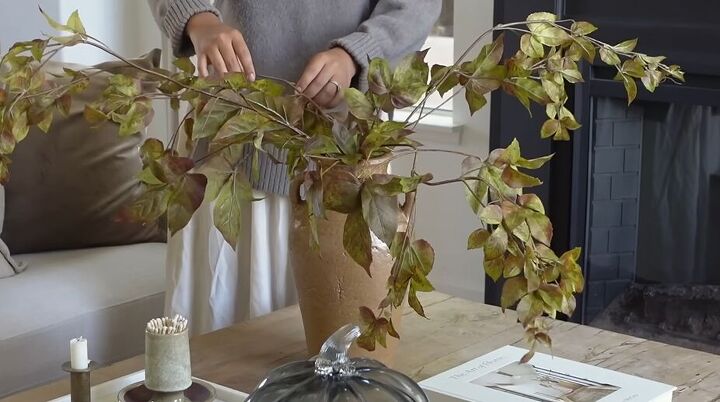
pixel 219 45
pixel 326 75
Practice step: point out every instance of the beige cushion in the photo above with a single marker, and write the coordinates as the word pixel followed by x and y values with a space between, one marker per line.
pixel 66 186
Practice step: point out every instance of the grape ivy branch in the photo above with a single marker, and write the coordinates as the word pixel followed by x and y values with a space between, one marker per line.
pixel 325 151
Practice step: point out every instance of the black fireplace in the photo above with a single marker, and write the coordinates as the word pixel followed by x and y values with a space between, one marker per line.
pixel 637 187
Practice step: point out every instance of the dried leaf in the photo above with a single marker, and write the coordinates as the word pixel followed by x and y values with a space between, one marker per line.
pixel 356 240
pixel 7 142
pixel 630 88
pixel 582 28
pixel 449 78
pixel 381 214
pixel 359 104
pixel 414 302
pixel 608 56
pixel 516 179
pixel 489 56
pixel 529 308
pixel 185 200
pixel 391 330
pixel 148 208
pixel 227 213
pixel 477 239
pixel 409 80
pixel 187 66
pixel 379 76
pixel 237 80
pixel 633 68
pixel 531 201
pixel 550 128
pixel 626 46
pixel 53 23
pixel 494 268
pixel 74 24
pixel 531 46
pixel 341 191
pixel 381 134
pixel 512 291
pixel 94 116
pixel 496 244
pixel 541 228
pixel 474 100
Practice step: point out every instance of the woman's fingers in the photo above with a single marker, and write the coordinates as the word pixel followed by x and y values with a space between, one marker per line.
pixel 312 69
pixel 202 65
pixel 321 80
pixel 217 62
pixel 230 58
pixel 219 45
pixel 334 64
pixel 243 54
pixel 327 95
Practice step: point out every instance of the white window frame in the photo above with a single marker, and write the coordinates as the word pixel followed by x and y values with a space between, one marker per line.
pixel 471 18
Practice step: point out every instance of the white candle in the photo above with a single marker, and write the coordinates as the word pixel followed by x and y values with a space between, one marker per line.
pixel 78 354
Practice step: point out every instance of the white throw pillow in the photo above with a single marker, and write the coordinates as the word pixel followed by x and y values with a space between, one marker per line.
pixel 8 267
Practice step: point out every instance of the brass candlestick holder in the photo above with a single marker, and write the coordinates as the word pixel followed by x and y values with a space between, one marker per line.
pixel 79 381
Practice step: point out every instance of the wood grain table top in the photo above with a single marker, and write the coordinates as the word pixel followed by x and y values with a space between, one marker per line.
pixel 457 331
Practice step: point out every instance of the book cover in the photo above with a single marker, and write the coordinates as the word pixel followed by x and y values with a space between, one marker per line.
pixel 499 377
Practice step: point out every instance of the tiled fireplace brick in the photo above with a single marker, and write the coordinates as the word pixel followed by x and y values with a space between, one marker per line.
pixel 598 240
pixel 609 160
pixel 616 160
pixel 629 212
pixel 625 186
pixel 627 132
pixel 622 239
pixel 603 267
pixel 601 185
pixel 603 133
pixel 632 160
pixel 607 213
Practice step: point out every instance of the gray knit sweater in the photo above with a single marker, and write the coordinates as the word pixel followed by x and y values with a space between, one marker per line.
pixel 283 34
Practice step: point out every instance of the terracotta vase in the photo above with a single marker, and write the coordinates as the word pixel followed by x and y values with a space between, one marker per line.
pixel 331 285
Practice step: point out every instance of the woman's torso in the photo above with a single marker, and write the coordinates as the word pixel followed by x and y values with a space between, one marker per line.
pixel 283 34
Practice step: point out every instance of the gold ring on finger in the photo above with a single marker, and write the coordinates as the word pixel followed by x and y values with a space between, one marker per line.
pixel 338 87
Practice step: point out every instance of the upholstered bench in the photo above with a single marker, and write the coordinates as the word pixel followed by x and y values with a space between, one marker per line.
pixel 106 294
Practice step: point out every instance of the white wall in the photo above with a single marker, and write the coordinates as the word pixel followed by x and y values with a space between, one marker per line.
pixel 126 26
pixel 443 216
pixel 21 20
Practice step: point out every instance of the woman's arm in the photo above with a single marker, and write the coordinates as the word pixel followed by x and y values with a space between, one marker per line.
pixel 194 26
pixel 173 15
pixel 394 29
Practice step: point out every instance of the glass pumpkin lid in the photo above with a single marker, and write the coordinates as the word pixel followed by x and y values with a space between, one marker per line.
pixel 332 376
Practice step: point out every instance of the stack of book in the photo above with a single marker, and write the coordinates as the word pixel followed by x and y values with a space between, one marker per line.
pixel 499 377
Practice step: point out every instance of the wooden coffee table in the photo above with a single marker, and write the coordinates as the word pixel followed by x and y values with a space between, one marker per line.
pixel 458 330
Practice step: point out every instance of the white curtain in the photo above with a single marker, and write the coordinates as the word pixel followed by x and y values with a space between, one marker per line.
pixel 215 286
pixel 678 238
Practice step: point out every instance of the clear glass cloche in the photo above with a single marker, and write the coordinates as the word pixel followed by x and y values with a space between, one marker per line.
pixel 333 377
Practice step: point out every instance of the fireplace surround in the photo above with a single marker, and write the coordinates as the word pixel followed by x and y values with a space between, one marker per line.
pixel 616 188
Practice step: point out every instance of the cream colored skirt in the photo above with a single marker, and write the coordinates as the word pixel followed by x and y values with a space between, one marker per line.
pixel 215 286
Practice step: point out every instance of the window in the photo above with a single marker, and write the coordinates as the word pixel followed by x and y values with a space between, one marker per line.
pixel 442 51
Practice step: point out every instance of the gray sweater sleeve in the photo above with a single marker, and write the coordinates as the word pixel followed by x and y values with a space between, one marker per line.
pixel 173 15
pixel 394 29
